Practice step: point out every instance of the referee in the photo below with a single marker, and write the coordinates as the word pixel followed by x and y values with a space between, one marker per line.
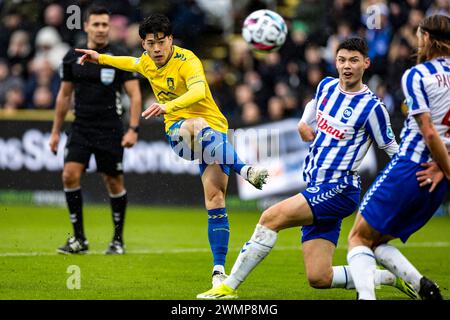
pixel 97 129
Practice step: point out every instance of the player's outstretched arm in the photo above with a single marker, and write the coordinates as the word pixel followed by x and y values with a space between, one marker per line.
pixel 88 55
pixel 126 63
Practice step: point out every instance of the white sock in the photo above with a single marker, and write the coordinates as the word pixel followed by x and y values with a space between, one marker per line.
pixel 361 261
pixel 252 253
pixel 219 268
pixel 392 259
pixel 244 172
pixel 342 278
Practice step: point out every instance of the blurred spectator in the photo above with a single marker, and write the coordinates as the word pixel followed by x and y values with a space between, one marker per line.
pixel 14 99
pixel 54 17
pixel 42 98
pixel 188 21
pixel 382 93
pixel 378 40
pixel 441 7
pixel 19 52
pixel 275 109
pixel 10 22
pixel 118 29
pixel 50 46
pixel 251 113
pixel 41 76
pixel 7 81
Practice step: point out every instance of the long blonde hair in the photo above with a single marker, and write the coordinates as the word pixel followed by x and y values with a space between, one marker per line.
pixel 438 27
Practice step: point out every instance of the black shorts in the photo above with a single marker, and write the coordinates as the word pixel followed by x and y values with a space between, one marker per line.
pixel 105 144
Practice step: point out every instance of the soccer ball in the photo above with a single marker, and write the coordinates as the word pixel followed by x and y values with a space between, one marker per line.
pixel 264 30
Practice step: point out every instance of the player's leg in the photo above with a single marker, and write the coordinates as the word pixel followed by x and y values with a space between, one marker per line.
pixel 76 159
pixel 291 212
pixel 213 147
pixel 109 155
pixel 71 178
pixel 361 258
pixel 215 181
pixel 118 200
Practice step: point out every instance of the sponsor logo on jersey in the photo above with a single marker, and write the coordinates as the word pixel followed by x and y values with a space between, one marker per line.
pixel 347 113
pixel 107 76
pixel 180 56
pixel 313 189
pixel 390 133
pixel 326 127
pixel 170 83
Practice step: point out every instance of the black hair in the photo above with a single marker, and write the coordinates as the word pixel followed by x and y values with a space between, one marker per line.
pixel 155 23
pixel 354 44
pixel 95 10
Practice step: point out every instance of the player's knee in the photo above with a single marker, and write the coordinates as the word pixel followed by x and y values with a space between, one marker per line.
pixel 320 280
pixel 271 219
pixel 215 198
pixel 357 237
pixel 71 179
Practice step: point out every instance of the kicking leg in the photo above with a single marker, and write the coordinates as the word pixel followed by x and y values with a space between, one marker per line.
pixel 291 212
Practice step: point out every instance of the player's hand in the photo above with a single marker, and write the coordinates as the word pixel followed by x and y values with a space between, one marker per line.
pixel 129 139
pixel 306 132
pixel 53 142
pixel 154 110
pixel 88 55
pixel 431 176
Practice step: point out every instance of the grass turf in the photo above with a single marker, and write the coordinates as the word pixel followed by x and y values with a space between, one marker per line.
pixel 169 259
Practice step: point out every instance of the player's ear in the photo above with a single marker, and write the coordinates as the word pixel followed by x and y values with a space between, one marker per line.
pixel 366 63
pixel 143 44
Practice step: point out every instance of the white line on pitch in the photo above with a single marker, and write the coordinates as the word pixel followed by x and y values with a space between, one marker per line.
pixel 199 250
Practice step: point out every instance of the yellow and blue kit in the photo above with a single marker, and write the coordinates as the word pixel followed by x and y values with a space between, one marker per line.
pixel 180 84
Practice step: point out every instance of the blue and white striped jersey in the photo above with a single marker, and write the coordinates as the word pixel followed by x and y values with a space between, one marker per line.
pixel 427 89
pixel 347 123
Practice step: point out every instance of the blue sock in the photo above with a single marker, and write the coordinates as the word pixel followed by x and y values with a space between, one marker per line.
pixel 218 234
pixel 216 148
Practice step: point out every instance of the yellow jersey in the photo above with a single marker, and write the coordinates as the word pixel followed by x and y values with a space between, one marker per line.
pixel 183 72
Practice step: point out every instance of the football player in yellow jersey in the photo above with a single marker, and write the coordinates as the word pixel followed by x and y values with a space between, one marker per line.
pixel 194 125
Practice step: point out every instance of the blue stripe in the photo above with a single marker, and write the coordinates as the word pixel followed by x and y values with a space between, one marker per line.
pixel 444 65
pixel 425 155
pixel 422 89
pixel 412 146
pixel 337 104
pixel 322 85
pixel 346 277
pixel 431 68
pixel 382 123
pixel 410 89
pixel 365 114
pixel 313 171
pixel 352 105
pixel 327 96
pixel 365 137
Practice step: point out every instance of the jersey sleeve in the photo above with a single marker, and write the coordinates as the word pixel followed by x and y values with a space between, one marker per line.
pixel 65 71
pixel 192 71
pixel 378 125
pixel 125 63
pixel 414 91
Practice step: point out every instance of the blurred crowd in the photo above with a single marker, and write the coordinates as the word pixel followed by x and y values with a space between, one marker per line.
pixel 249 88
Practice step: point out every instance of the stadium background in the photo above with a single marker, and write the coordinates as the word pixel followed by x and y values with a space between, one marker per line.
pixel 250 89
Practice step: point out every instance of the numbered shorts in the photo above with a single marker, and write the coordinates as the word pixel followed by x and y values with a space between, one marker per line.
pixel 183 149
pixel 329 203
pixel 396 205
pixel 105 145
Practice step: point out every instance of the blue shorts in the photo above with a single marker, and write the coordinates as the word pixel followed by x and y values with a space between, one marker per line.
pixel 396 205
pixel 183 150
pixel 329 203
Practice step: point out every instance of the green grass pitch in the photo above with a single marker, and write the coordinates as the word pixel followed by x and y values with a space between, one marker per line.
pixel 169 259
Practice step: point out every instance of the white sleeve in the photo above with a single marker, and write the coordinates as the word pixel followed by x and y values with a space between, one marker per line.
pixel 309 114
